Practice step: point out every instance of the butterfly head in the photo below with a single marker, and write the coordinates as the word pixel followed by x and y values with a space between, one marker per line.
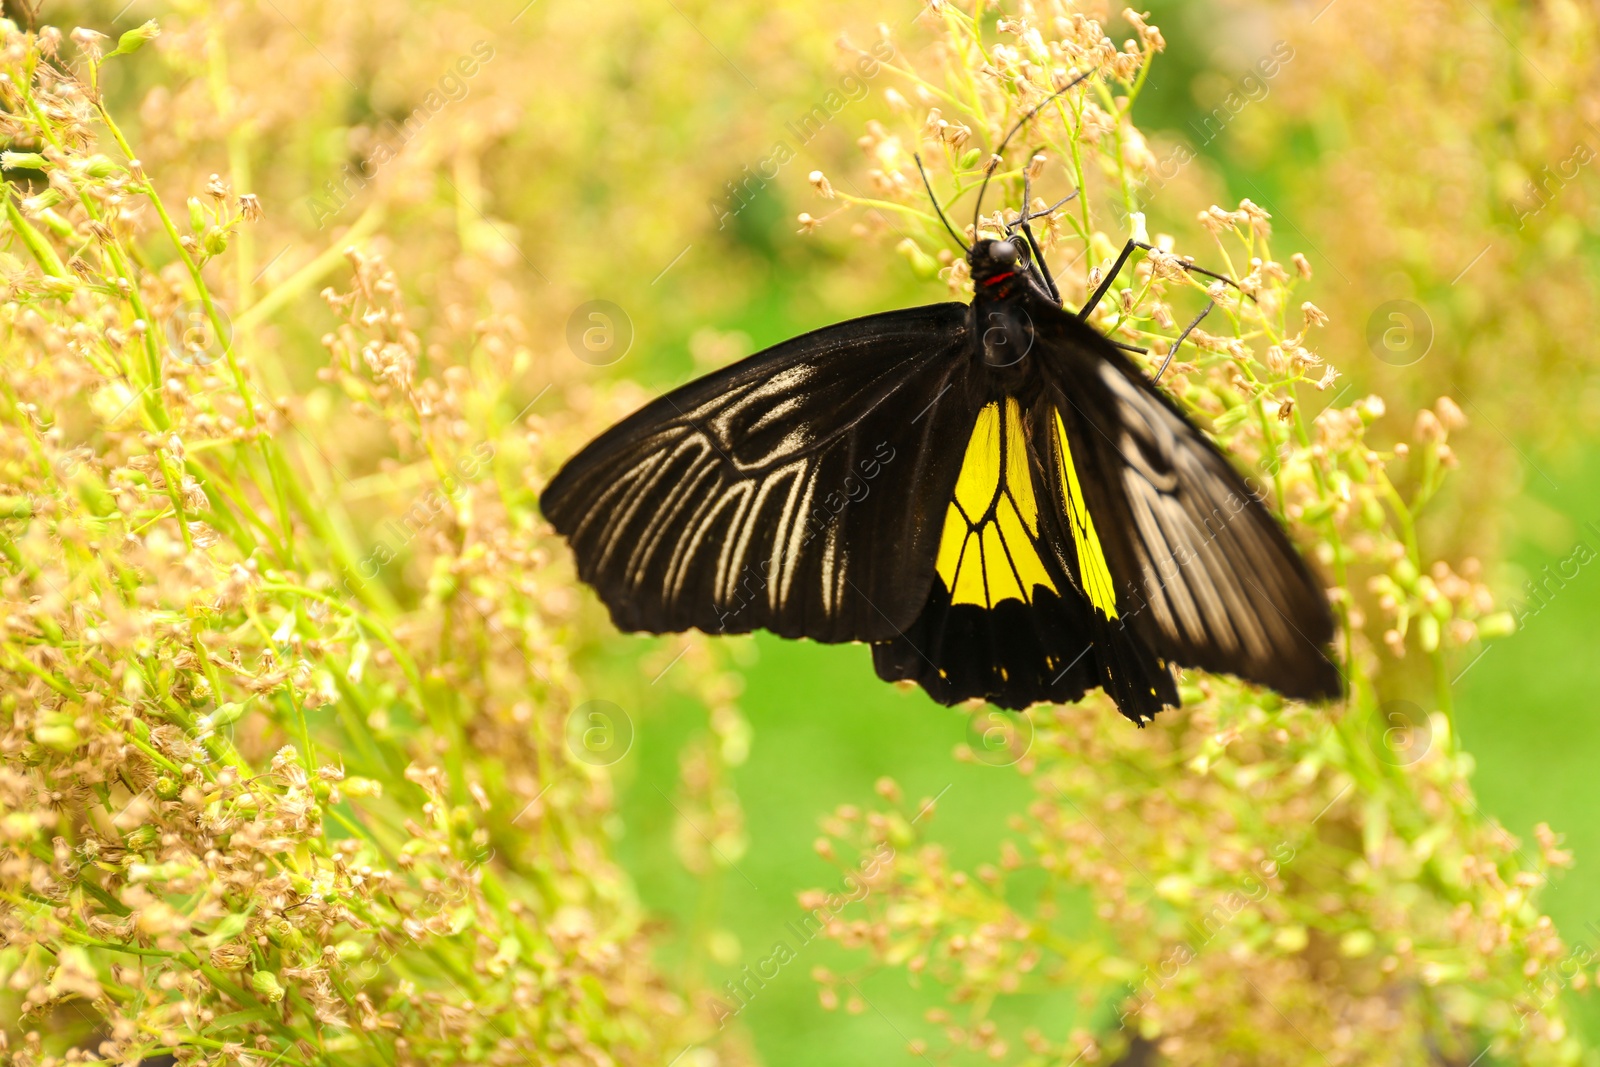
pixel 994 261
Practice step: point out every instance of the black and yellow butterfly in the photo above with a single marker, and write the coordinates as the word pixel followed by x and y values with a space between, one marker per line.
pixel 991 494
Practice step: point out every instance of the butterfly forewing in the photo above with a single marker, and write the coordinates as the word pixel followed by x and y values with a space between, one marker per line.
pixel 1202 569
pixel 801 490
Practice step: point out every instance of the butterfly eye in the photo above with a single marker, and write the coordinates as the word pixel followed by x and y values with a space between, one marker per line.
pixel 1003 252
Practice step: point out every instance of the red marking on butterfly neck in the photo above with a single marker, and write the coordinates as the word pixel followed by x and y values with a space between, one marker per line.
pixel 998 278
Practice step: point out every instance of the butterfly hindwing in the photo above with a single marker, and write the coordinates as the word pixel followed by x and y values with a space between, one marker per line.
pixel 1135 674
pixel 800 490
pixel 988 549
pixel 1021 608
pixel 1204 573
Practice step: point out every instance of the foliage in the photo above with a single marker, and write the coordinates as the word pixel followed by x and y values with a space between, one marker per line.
pixel 268 796
pixel 1272 880
pixel 292 757
pixel 1469 191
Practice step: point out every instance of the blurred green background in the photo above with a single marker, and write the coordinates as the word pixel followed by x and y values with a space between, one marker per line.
pixel 599 156
pixel 825 728
pixel 601 144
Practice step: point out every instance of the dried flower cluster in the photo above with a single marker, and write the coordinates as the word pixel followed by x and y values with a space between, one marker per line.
pixel 1268 882
pixel 285 768
pixel 1466 192
pixel 289 666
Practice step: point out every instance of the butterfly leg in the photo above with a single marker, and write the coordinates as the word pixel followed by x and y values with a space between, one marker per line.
pixel 1038 261
pixel 1083 312
pixel 1027 196
pixel 1105 283
pixel 1021 222
pixel 1120 344
pixel 1122 258
pixel 1187 330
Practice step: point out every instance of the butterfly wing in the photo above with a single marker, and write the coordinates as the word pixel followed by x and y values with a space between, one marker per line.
pixel 1015 614
pixel 799 490
pixel 1200 568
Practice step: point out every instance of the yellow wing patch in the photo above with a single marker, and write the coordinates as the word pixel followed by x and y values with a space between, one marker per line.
pixel 1095 574
pixel 986 552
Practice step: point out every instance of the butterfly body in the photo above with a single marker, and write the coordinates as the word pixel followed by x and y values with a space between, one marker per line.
pixel 989 494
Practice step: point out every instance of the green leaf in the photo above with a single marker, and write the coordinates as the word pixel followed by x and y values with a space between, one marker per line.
pixel 239 1018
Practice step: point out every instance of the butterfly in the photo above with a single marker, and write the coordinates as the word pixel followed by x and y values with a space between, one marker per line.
pixel 990 494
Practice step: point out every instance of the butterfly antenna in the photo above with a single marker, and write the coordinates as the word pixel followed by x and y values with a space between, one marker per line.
pixel 926 184
pixel 999 153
